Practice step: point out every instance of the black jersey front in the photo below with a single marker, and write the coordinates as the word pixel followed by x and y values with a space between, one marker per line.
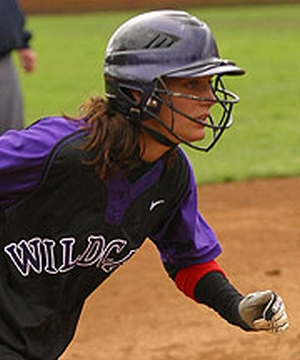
pixel 65 236
pixel 68 235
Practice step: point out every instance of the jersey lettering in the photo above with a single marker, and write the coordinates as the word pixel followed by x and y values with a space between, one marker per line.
pixel 39 255
pixel 108 263
pixel 26 255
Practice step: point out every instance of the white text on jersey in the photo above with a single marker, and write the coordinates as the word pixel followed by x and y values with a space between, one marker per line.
pixel 39 255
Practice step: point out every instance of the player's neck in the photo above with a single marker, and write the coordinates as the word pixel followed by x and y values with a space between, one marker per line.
pixel 153 150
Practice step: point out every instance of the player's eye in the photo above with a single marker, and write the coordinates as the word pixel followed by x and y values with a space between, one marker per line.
pixel 192 85
pixel 198 86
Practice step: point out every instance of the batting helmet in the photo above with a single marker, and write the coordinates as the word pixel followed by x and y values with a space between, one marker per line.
pixel 158 45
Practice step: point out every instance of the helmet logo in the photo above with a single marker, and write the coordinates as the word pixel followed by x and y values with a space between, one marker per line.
pixel 159 40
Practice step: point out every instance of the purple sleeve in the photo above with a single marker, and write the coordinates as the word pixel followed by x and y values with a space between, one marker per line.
pixel 23 154
pixel 186 239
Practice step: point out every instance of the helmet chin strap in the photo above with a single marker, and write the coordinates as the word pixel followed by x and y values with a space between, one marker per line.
pixel 136 117
pixel 159 137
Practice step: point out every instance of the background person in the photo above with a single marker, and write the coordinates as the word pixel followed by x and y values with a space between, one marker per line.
pixel 13 36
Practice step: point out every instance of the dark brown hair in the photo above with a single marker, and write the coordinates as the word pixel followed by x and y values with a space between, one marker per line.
pixel 114 141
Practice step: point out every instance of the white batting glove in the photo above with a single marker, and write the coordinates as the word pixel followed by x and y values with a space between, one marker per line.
pixel 264 310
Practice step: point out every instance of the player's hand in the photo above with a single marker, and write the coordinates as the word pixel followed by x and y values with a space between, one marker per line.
pixel 264 310
pixel 28 59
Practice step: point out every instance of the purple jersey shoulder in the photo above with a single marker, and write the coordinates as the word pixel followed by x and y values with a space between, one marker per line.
pixel 186 238
pixel 23 154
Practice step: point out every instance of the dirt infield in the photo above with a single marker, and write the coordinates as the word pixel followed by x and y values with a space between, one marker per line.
pixel 139 314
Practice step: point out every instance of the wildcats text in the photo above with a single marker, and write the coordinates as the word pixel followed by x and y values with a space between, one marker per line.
pixel 39 255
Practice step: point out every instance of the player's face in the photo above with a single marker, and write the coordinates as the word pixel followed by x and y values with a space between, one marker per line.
pixel 198 109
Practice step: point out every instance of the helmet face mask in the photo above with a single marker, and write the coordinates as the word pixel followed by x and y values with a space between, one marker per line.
pixel 219 120
pixel 174 45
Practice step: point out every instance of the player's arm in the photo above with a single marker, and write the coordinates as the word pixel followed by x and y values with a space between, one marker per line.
pixel 207 284
pixel 23 155
pixel 20 166
pixel 187 246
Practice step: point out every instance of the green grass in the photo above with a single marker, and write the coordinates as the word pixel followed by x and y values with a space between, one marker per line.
pixel 70 52
pixel 264 141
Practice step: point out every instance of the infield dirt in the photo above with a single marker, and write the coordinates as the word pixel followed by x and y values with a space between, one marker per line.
pixel 139 314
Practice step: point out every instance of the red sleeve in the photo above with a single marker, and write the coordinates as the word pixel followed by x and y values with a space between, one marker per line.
pixel 187 278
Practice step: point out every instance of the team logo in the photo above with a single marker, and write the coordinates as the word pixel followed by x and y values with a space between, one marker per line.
pixel 155 203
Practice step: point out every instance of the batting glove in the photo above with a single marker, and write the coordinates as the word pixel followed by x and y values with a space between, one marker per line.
pixel 264 310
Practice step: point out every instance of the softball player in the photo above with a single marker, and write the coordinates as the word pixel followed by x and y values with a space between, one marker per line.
pixel 78 197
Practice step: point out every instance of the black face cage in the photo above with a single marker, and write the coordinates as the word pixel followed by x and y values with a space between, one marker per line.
pixel 219 120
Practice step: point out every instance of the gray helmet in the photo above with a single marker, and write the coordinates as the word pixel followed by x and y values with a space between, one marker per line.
pixel 160 44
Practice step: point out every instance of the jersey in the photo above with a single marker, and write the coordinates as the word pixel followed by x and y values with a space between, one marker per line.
pixel 63 231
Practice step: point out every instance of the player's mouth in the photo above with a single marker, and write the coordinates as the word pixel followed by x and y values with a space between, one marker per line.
pixel 202 120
